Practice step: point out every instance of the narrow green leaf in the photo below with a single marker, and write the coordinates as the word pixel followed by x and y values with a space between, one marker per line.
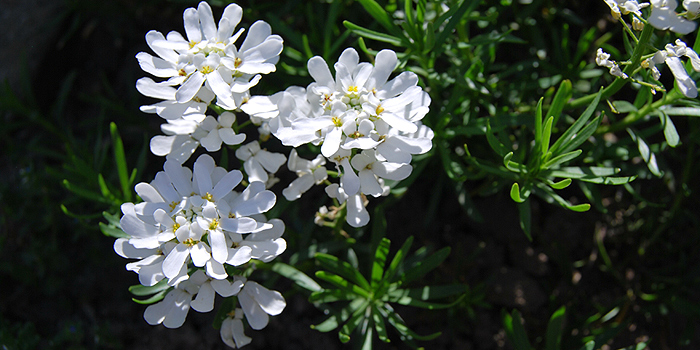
pixel 538 123
pixel 408 301
pixel 398 259
pixel 546 193
pixel 379 324
pixel 513 166
pixel 559 185
pixel 370 34
pixel 515 193
pixel 670 132
pixel 455 14
pixel 515 332
pixel 589 346
pixel 585 172
pixel 401 327
pixel 141 290
pixel 547 134
pixel 342 268
pixel 496 145
pixel 112 231
pixel 298 277
pixel 336 319
pixel 423 267
pixel 86 193
pixel 382 17
pixel 525 217
pixel 342 283
pixel 331 295
pixel 427 292
pixel 578 125
pixel 562 158
pixel 379 261
pixel 357 317
pixel 562 96
pixel 685 111
pixel 120 159
pixel 154 299
pixel 648 156
pixel 555 328
pixel 581 137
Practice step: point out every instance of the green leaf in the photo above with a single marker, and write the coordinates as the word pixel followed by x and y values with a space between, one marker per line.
pixel 401 327
pixel 423 267
pixel 379 324
pixel 670 132
pixel 582 136
pixel 685 111
pixel 562 158
pixel 562 96
pixel 342 283
pixel 583 173
pixel 648 156
pixel 379 261
pixel 141 290
pixel 525 217
pixel 515 193
pixel 298 277
pixel 571 132
pixel 513 166
pixel 559 185
pixel 455 15
pixel 538 123
pixel 589 346
pixel 120 159
pixel 336 319
pixel 331 295
pixel 547 134
pixel 154 299
pixel 112 231
pixel 398 259
pixel 427 292
pixel 377 12
pixel 555 328
pixel 342 268
pixel 370 34
pixel 86 193
pixel 357 317
pixel 496 145
pixel 515 332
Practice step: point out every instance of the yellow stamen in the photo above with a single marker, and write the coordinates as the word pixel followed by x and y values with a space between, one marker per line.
pixel 380 109
pixel 208 197
pixel 206 70
pixel 337 122
pixel 237 62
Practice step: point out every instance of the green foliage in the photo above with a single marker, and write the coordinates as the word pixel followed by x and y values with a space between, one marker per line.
pixel 369 308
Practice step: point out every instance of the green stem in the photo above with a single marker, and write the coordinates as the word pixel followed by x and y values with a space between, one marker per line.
pixel 633 117
pixel 616 85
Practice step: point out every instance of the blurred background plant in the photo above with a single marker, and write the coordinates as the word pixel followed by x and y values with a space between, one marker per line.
pixel 517 110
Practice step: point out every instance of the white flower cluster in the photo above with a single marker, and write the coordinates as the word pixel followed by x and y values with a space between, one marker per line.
pixel 193 234
pixel 204 66
pixel 367 125
pixel 190 227
pixel 671 55
pixel 663 13
pixel 602 59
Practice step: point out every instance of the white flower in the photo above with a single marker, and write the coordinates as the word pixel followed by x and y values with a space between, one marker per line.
pixel 258 303
pixel 266 243
pixel 671 56
pixel 172 310
pixel 623 7
pixel 220 130
pixel 370 169
pixel 232 330
pixel 603 59
pixel 355 108
pixel 309 172
pixel 258 162
pixel 692 8
pixel 207 60
pixel 663 16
